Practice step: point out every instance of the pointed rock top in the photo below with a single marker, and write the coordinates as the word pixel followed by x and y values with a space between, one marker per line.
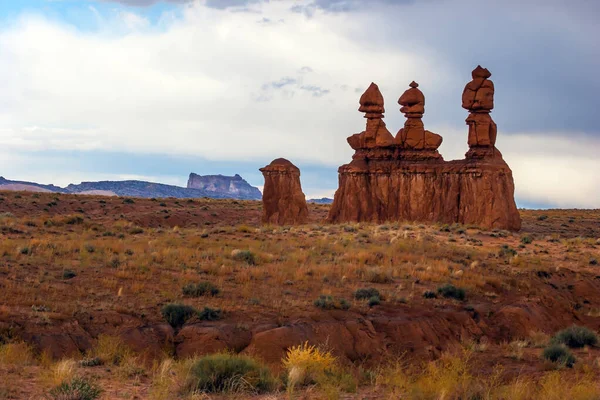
pixel 371 101
pixel 480 72
pixel 414 84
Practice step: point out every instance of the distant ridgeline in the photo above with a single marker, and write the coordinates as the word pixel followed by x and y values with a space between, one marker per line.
pixel 213 186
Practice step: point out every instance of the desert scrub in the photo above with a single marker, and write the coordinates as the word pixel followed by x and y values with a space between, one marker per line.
pixel 428 294
pixel 229 373
pixel 364 293
pixel 560 354
pixel 451 291
pixel 245 256
pixel 526 239
pixel 575 337
pixel 177 314
pixel 200 289
pixel 76 389
pixel 374 301
pixel 329 303
pixel 210 314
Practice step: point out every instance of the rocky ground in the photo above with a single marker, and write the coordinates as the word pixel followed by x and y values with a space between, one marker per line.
pixel 79 274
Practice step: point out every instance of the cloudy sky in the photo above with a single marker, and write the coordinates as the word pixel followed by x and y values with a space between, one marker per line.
pixel 144 89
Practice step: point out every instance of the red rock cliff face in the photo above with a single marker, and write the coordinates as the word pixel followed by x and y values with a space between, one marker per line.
pixel 283 200
pixel 409 180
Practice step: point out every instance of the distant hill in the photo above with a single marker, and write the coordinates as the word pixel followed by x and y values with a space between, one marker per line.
pixel 214 186
pixel 323 200
pixel 27 186
pixel 230 185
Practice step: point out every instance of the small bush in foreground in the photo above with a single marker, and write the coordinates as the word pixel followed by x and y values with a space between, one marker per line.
pixel 200 289
pixel 428 294
pixel 559 354
pixel 364 293
pixel 177 314
pixel 229 373
pixel 329 303
pixel 451 291
pixel 576 337
pixel 76 389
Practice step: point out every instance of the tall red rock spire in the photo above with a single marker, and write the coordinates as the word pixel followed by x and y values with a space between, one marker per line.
pixel 478 98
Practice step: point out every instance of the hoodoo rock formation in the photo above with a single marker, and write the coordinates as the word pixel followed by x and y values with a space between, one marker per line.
pixel 405 178
pixel 283 200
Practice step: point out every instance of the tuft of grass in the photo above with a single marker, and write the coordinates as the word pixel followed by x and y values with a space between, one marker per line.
pixel 17 354
pixel 575 337
pixel 364 293
pixel 76 389
pixel 451 291
pixel 200 289
pixel 177 314
pixel 108 350
pixel 61 371
pixel 229 373
pixel 560 354
pixel 428 294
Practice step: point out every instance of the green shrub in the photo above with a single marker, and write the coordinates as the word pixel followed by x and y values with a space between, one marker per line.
pixel 229 373
pixel 329 303
pixel 526 239
pixel 210 314
pixel 374 301
pixel 128 201
pixel 542 217
pixel 245 255
pixel 451 291
pixel 69 274
pixel 136 231
pixel 200 289
pixel 177 314
pixel 76 389
pixel 364 293
pixel 429 294
pixel 576 337
pixel 559 354
pixel 507 251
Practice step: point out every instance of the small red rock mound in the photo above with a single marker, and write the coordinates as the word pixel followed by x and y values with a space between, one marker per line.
pixel 405 178
pixel 283 200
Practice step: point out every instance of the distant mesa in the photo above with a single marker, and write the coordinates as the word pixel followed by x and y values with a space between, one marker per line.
pixel 230 185
pixel 284 202
pixel 213 186
pixel 405 177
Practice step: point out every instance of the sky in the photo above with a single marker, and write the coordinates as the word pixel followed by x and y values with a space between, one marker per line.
pixel 154 90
